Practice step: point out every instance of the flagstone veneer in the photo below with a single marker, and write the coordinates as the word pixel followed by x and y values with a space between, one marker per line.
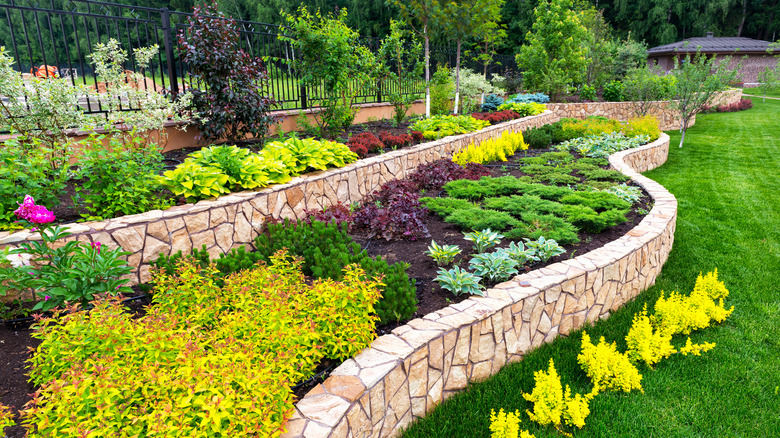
pixel 233 220
pixel 403 375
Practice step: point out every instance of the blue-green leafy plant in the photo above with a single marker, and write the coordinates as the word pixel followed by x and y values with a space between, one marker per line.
pixel 519 253
pixel 545 249
pixel 491 103
pixel 444 255
pixel 483 240
pixel 459 281
pixel 495 266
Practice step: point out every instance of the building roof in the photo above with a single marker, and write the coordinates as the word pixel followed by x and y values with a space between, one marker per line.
pixel 710 44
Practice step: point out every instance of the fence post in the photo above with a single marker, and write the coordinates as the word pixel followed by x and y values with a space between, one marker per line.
pixel 168 39
pixel 302 89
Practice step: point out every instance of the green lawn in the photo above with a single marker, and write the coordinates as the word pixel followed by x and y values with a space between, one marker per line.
pixel 757 92
pixel 727 181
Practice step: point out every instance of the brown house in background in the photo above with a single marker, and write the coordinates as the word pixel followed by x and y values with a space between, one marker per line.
pixel 752 53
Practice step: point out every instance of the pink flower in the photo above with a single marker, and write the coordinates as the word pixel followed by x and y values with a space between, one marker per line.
pixel 23 212
pixel 96 246
pixel 40 215
pixel 46 298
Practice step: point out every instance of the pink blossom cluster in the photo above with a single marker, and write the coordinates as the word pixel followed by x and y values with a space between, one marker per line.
pixel 37 214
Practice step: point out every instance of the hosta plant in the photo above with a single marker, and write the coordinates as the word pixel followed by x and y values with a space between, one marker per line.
pixel 483 240
pixel 545 249
pixel 494 266
pixel 444 255
pixel 194 181
pixel 520 253
pixel 459 281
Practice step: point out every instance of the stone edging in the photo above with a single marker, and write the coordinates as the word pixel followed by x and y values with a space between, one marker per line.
pixel 403 375
pixel 234 220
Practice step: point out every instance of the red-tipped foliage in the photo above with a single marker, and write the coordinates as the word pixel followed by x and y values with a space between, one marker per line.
pixel 395 141
pixel 364 143
pixel 417 136
pixel 497 117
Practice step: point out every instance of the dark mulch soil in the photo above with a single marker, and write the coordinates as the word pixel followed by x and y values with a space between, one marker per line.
pixel 15 340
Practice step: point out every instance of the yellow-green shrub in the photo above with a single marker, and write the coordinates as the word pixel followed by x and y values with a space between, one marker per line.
pixel 525 109
pixel 646 125
pixel 553 405
pixel 574 128
pixel 204 361
pixel 607 368
pixel 494 149
pixel 679 314
pixel 506 425
pixel 6 418
pixel 647 343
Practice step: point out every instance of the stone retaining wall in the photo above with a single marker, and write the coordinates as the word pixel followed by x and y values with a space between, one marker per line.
pixel 235 219
pixel 667 117
pixel 403 375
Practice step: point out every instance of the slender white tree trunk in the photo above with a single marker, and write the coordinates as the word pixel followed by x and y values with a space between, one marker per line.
pixel 457 77
pixel 427 72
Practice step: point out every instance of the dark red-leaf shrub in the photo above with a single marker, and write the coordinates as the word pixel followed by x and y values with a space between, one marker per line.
pixel 233 102
pixel 395 141
pixel 402 217
pixel 497 117
pixel 433 176
pixel 391 188
pixel 742 105
pixel 417 136
pixel 338 213
pixel 364 143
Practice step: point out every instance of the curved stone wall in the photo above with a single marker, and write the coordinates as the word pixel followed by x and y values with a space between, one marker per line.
pixel 405 374
pixel 668 118
pixel 235 219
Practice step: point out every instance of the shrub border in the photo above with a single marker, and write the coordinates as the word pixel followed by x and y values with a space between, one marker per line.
pixel 405 374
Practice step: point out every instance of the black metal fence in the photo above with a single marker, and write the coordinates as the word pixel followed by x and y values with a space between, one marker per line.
pixel 62 33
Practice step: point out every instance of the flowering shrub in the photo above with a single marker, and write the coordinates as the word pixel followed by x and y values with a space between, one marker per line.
pixel 72 273
pixel 205 360
pixel 364 143
pixel 497 117
pixel 554 406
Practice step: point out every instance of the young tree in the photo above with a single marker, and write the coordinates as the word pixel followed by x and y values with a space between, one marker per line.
pixel 769 77
pixel 698 80
pixel 421 15
pixel 401 66
pixel 602 48
pixel 331 57
pixel 463 19
pixel 645 88
pixel 554 56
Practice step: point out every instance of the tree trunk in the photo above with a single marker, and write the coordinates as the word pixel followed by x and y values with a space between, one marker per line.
pixel 683 129
pixel 457 76
pixel 744 14
pixel 427 72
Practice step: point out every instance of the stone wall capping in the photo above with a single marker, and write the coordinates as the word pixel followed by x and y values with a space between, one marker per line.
pixel 480 334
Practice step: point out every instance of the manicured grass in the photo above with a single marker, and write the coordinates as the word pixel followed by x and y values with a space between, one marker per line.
pixel 757 92
pixel 726 179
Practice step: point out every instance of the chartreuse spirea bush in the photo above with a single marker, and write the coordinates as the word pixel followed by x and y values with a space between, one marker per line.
pixel 649 341
pixel 506 425
pixel 218 170
pixel 494 149
pixel 553 405
pixel 437 127
pixel 524 109
pixel 205 361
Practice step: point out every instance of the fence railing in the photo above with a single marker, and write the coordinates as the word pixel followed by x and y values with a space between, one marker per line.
pixel 62 34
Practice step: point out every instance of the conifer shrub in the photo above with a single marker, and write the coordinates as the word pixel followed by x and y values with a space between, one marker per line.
pixel 204 361
pixel 480 219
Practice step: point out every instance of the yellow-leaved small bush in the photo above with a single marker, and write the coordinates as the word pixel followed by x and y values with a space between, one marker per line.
pixel 205 361
pixel 494 149
pixel 607 368
pixel 506 425
pixel 647 343
pixel 553 405
pixel 645 125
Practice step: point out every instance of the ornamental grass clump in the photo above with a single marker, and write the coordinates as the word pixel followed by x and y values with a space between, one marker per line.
pixel 205 361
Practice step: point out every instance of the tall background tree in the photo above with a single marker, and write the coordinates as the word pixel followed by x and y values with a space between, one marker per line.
pixel 554 56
